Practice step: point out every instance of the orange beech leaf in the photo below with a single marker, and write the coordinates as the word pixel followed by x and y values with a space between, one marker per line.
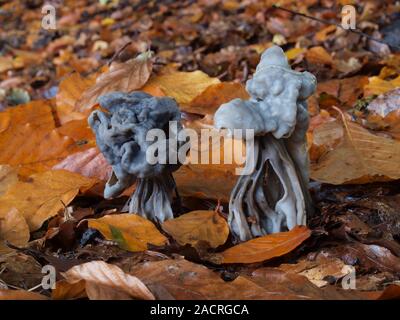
pixel 42 195
pixel 318 55
pixel 13 228
pixel 182 86
pixel 30 141
pixel 130 231
pixel 105 281
pixel 195 226
pixel 264 248
pixel 213 96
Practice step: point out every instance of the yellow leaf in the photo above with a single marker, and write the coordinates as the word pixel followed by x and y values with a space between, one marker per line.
pixel 42 195
pixel 105 281
pixel 130 231
pixel 360 157
pixel 182 86
pixel 196 226
pixel 377 86
pixel 13 228
pixel 294 53
pixel 264 248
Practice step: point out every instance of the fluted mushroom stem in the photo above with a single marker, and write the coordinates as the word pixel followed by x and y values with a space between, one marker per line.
pixel 153 197
pixel 270 199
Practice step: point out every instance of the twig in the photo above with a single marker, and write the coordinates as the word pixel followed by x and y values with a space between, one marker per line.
pixel 357 31
pixel 118 52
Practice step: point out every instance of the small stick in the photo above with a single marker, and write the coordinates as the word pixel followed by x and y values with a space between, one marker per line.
pixel 357 31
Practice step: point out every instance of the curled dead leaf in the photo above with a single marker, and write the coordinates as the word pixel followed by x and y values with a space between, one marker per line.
pixel 105 281
pixel 126 77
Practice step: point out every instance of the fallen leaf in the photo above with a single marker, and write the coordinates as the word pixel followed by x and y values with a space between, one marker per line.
pixel 317 271
pixel 125 77
pixel 184 87
pixel 105 281
pixel 318 55
pixel 89 163
pixel 181 279
pixel 196 226
pixel 67 291
pixel 13 228
pixel 42 195
pixel 8 176
pixel 46 145
pixel 264 248
pixel 377 86
pixel 6 294
pixel 69 92
pixel 130 231
pixel 208 101
pixel 360 157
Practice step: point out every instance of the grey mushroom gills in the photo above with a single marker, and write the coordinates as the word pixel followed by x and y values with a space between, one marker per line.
pixel 121 134
pixel 274 197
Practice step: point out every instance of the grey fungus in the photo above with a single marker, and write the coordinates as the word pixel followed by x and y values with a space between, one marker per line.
pixel 275 196
pixel 121 132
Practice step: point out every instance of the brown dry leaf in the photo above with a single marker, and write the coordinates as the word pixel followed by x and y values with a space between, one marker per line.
pixel 69 92
pixel 130 231
pixel 211 98
pixel 8 176
pixel 42 195
pixel 264 248
pixel 67 291
pixel 6 294
pixel 318 55
pixel 46 145
pixel 377 86
pixel 105 281
pixel 13 228
pixel 360 157
pixel 125 77
pixel 317 271
pixel 181 279
pixel 184 87
pixel 196 226
pixel 89 163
